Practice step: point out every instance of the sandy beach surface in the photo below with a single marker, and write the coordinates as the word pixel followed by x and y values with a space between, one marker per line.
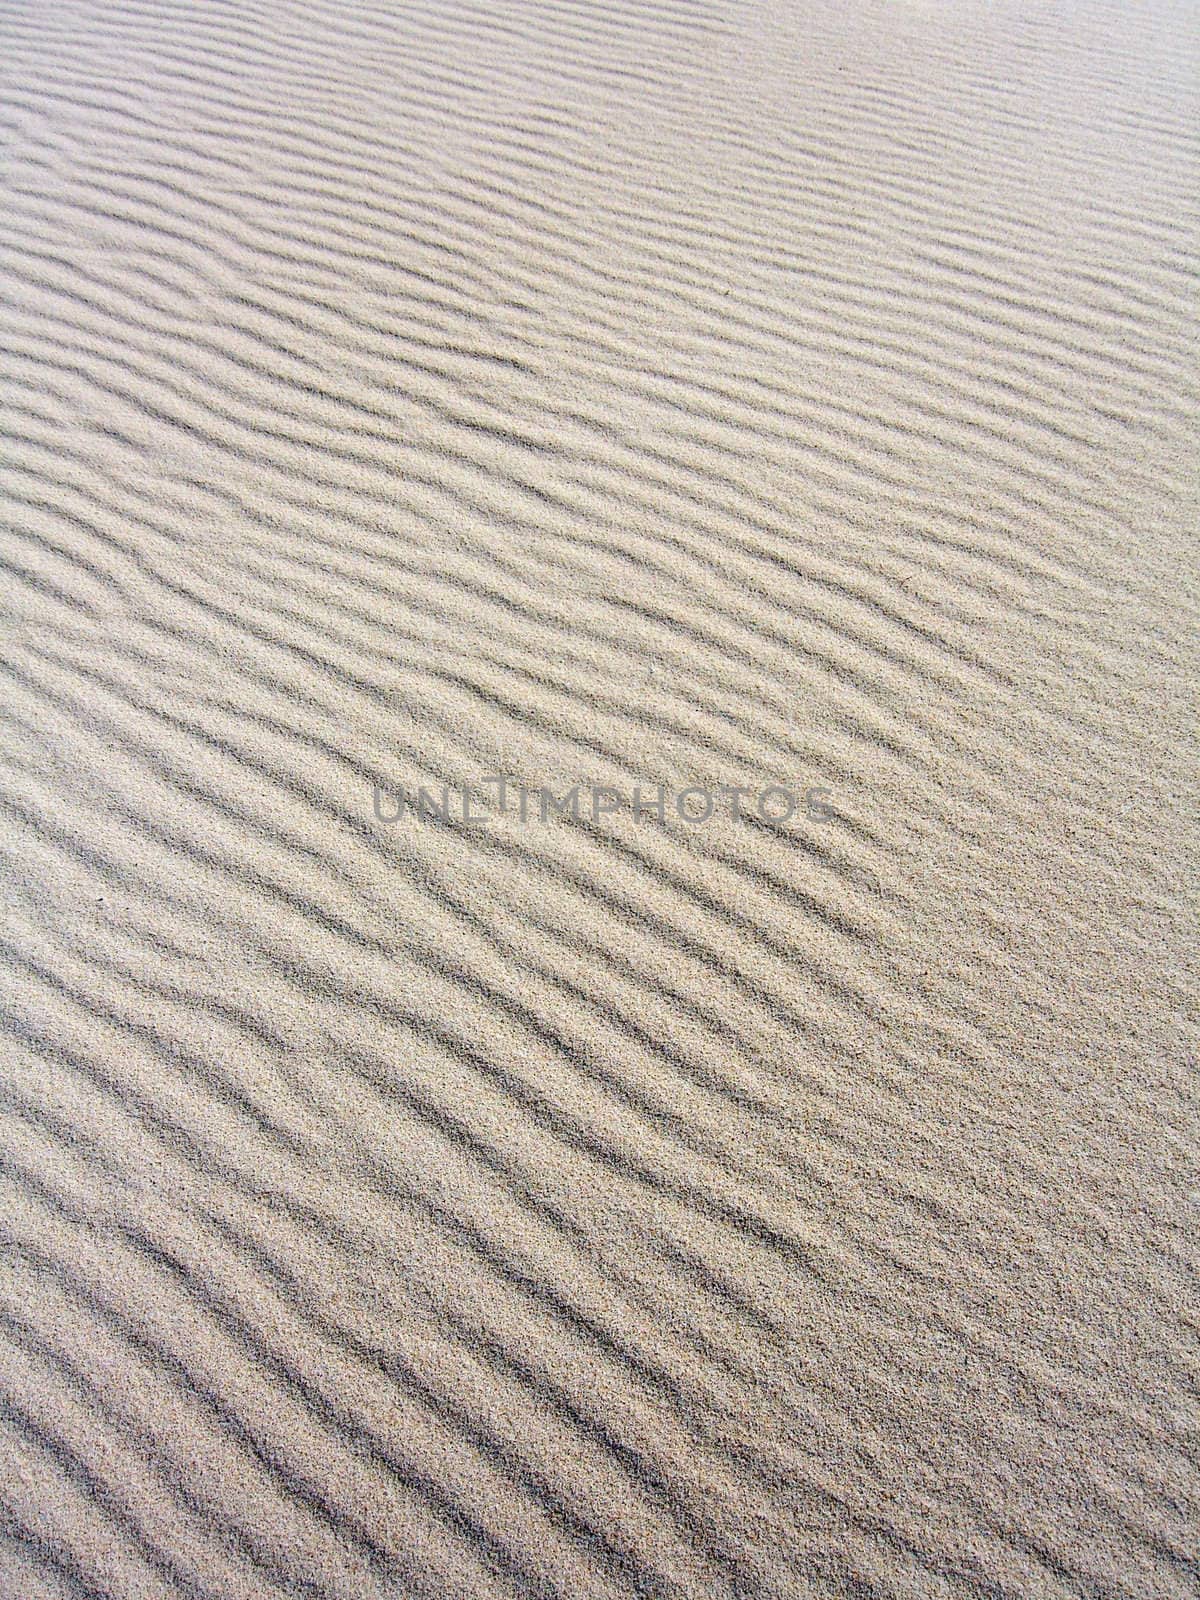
pixel 794 403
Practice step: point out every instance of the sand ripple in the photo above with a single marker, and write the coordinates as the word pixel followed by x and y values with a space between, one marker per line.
pixel 629 394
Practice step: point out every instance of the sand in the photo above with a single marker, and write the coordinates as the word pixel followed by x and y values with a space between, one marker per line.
pixel 604 396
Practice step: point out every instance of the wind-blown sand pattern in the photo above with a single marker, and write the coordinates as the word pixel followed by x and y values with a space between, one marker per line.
pixel 627 393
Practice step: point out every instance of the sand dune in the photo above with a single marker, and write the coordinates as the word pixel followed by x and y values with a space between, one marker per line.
pixel 604 397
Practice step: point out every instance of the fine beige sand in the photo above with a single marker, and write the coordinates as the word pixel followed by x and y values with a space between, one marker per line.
pixel 599 392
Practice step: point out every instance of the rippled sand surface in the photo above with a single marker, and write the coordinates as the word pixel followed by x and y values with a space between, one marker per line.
pixel 624 394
